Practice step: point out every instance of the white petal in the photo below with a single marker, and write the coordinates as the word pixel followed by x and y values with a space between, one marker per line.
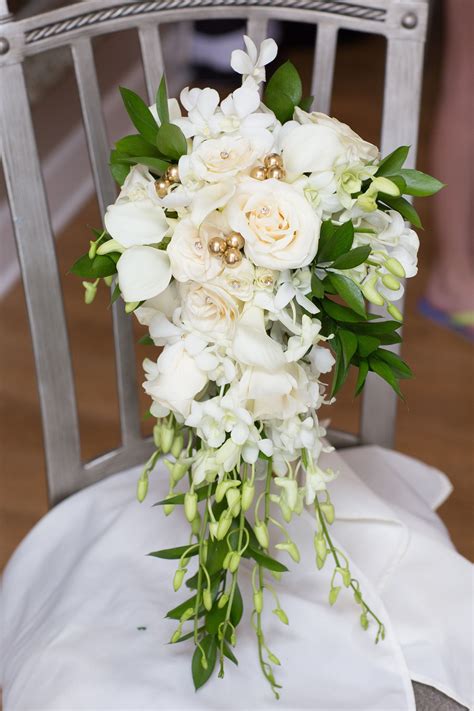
pixel 133 223
pixel 143 272
pixel 266 446
pixel 210 198
pixel 162 330
pixel 246 101
pixel 284 295
pixel 253 346
pixel 268 52
pixel 251 48
pixel 207 102
pixel 240 62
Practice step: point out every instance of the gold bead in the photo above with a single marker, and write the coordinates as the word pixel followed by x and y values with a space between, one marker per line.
pixel 232 257
pixel 162 186
pixel 235 240
pixel 217 246
pixel 275 173
pixel 258 173
pixel 172 174
pixel 273 160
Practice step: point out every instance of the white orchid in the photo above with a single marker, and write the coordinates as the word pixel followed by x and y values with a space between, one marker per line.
pixel 201 105
pixel 252 63
pixel 295 285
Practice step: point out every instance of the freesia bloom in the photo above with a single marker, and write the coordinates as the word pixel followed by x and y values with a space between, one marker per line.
pixel 280 229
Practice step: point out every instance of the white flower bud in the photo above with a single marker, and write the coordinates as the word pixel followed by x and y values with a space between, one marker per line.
pixel 395 313
pixel 225 523
pixel 178 578
pixel 223 600
pixel 167 437
pixel 157 435
pixel 281 614
pixel 248 493
pixel 234 562
pixel 142 488
pixel 395 267
pixel 190 505
pixel 177 446
pixel 390 282
pixel 207 599
pixel 261 532
pixel 258 601
pixel 223 487
pixel 233 500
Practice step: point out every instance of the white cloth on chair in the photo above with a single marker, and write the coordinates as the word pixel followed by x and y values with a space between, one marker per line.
pixel 82 605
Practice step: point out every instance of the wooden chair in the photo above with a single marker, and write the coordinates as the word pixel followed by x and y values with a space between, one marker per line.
pixel 402 22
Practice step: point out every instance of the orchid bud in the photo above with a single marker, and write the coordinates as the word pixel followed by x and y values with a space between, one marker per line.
pixel 320 546
pixel 157 435
pixel 176 635
pixel 386 186
pixel 285 510
pixel 291 548
pixel 390 282
pixel 364 621
pixel 190 505
pixel 346 576
pixel 233 639
pixel 142 488
pixel 168 509
pixel 178 471
pixel 395 313
pixel 187 614
pixel 130 306
pixel 233 500
pixel 207 599
pixel 370 292
pixel 333 594
pixel 225 523
pixel 226 561
pixel 223 487
pixel 320 562
pixel 261 532
pixel 204 663
pixel 248 493
pixel 196 524
pixel 274 659
pixel 90 291
pixel 276 574
pixel 213 527
pixel 167 437
pixel 328 510
pixel 108 280
pixel 234 562
pixel 223 600
pixel 367 202
pixel 92 249
pixel 110 245
pixel 178 578
pixel 258 601
pixel 177 446
pixel 281 614
pixel 395 267
pixel 204 551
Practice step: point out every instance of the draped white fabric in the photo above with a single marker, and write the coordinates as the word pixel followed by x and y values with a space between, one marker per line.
pixel 80 589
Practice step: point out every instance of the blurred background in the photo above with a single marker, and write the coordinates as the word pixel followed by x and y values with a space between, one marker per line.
pixel 435 424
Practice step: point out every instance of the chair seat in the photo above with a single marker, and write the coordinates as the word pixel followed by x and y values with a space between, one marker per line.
pixel 83 606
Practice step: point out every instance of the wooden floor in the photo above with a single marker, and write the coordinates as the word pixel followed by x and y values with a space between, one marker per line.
pixel 434 425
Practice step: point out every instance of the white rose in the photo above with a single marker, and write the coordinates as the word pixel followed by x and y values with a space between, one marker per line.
pixel 238 281
pixel 221 158
pixel 173 388
pixel 210 310
pixel 165 303
pixel 189 248
pixel 280 229
pixel 321 143
pixel 143 272
pixel 283 393
pixel 136 217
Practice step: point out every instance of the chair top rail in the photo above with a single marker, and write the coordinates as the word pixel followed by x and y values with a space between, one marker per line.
pixel 31 35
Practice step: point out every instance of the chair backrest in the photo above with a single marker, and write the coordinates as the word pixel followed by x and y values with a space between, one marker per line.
pixel 402 22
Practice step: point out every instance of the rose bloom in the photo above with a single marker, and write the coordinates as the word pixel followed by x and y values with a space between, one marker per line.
pixel 316 142
pixel 283 393
pixel 209 309
pixel 189 248
pixel 218 159
pixel 238 281
pixel 280 229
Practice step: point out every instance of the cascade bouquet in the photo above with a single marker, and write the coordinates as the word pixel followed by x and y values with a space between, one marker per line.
pixel 248 236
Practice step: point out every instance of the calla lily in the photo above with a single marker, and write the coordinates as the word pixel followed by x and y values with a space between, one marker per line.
pixel 143 272
pixel 253 346
pixel 136 222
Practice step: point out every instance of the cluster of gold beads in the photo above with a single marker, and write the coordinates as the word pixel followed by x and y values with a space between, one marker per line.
pixel 228 248
pixel 163 184
pixel 272 168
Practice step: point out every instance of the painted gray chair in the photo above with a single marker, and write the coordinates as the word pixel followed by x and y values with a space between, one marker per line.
pixel 403 24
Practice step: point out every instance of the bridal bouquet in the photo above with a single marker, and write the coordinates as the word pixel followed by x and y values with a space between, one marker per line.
pixel 248 236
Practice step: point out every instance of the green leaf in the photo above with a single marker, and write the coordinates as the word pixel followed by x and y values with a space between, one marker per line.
pixel 176 612
pixel 418 183
pixel 398 366
pixel 179 498
pixel 317 287
pixel 339 313
pixel 306 103
pixel 214 618
pixel 383 370
pixel 405 208
pixel 361 377
pixel 116 294
pixel 394 161
pixel 200 674
pixel 162 102
pixel 340 371
pixel 348 342
pixel 377 328
pixel 175 553
pixel 237 609
pixel 146 340
pixel 367 345
pixel 119 172
pixel 230 654
pixel 265 560
pixel 349 291
pixel 339 243
pixel 140 114
pixel 352 259
pixel 100 266
pixel 136 145
pixel 284 92
pixel 157 165
pixel 171 141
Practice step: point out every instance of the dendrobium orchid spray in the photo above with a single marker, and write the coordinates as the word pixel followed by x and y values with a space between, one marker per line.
pixel 248 236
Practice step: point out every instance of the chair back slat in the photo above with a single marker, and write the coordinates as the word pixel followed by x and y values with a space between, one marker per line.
pixel 403 75
pixel 98 145
pixel 36 253
pixel 257 28
pixel 152 56
pixel 323 66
